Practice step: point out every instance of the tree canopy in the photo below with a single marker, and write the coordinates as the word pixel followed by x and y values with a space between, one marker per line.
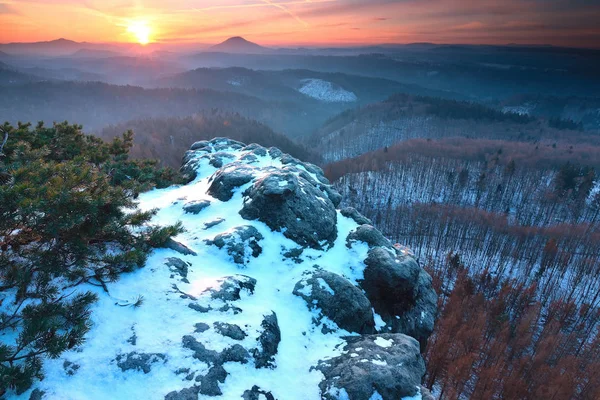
pixel 68 217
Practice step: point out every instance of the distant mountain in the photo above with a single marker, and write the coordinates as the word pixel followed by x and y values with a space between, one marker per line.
pixel 59 47
pixel 238 45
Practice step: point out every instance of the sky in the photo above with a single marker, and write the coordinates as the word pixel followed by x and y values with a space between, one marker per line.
pixel 573 23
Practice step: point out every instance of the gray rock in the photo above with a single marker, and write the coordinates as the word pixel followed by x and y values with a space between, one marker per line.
pixel 225 180
pixel 235 353
pixel 36 394
pixel 194 207
pixel 70 367
pixel 231 287
pixel 338 299
pixel 369 235
pixel 201 144
pixel 275 152
pixel 401 293
pixel 209 383
pixel 178 266
pixel 179 247
pixel 256 149
pixel 351 212
pixel 268 341
pixel 389 364
pixel 216 222
pixel 201 353
pixel 199 308
pixel 419 320
pixel 190 393
pixel 294 254
pixel 139 361
pixel 201 327
pixel 426 394
pixel 241 243
pixel 229 307
pixel 292 204
pixel 322 184
pixel 257 394
pixel 216 151
pixel 133 338
pixel 230 330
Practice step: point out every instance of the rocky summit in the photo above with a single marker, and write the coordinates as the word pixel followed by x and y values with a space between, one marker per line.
pixel 271 292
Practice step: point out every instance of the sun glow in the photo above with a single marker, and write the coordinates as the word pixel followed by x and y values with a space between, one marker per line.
pixel 141 31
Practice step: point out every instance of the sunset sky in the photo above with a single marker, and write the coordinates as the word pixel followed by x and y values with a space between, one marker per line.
pixel 305 22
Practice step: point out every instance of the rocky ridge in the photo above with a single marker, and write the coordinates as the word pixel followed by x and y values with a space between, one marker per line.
pixel 271 293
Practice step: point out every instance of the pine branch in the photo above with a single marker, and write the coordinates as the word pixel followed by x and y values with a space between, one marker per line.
pixel 4 141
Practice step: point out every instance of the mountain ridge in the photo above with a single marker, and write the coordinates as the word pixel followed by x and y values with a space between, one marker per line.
pixel 238 45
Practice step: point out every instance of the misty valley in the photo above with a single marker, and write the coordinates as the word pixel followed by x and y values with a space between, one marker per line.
pixel 457 215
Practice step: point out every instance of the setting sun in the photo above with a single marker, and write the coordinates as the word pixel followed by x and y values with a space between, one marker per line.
pixel 141 31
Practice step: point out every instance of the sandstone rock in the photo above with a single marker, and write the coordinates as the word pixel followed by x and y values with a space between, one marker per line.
pixel 338 299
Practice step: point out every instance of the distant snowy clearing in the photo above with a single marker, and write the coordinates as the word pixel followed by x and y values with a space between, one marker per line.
pixel 326 91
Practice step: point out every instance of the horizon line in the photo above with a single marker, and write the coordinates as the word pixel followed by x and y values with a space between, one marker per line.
pixel 317 45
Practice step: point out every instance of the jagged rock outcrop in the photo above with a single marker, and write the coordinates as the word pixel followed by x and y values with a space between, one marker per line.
pixel 270 293
pixel 338 299
pixel 290 203
pixel 387 365
pixel 400 292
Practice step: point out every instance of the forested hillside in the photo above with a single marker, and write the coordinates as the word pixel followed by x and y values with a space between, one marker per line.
pixel 510 231
pixel 96 105
pixel 404 117
pixel 167 139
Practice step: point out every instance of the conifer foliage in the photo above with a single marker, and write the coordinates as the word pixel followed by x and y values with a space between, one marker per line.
pixel 67 217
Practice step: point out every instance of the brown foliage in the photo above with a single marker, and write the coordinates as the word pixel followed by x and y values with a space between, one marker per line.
pixel 494 340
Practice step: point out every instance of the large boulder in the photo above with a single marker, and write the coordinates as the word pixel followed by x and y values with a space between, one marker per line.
pixel 386 365
pixel 338 299
pixel 401 293
pixel 289 203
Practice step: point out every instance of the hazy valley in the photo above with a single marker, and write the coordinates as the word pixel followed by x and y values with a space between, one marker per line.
pixel 481 161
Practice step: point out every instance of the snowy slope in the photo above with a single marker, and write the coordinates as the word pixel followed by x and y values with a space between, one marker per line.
pixel 326 91
pixel 181 343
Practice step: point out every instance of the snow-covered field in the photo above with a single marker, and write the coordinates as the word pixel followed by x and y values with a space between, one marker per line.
pixel 326 91
pixel 157 326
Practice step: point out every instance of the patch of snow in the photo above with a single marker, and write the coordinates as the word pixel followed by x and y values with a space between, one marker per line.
pixel 385 343
pixel 325 286
pixel 235 82
pixel 164 318
pixel 326 91
pixel 379 322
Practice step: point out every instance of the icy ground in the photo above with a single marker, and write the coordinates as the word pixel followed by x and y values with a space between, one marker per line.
pixel 157 326
pixel 326 91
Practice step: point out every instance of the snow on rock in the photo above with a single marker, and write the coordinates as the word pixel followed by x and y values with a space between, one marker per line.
pixel 270 301
pixel 326 91
pixel 395 371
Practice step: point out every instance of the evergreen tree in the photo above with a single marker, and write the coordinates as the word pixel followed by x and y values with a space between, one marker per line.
pixel 67 217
